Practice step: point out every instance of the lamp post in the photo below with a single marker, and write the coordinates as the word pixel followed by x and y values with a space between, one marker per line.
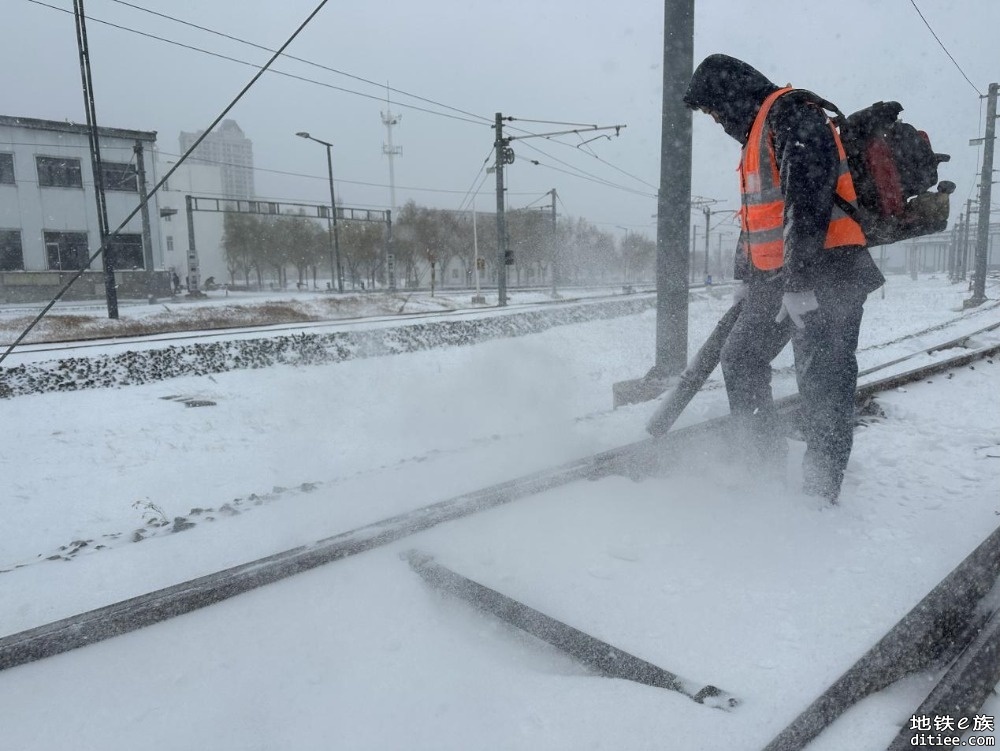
pixel 335 270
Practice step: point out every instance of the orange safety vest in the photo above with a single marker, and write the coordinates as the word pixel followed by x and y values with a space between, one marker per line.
pixel 763 211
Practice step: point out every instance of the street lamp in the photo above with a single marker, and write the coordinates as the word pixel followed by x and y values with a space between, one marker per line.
pixel 335 270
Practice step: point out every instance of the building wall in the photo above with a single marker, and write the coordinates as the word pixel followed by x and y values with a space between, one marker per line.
pixel 34 209
pixel 198 180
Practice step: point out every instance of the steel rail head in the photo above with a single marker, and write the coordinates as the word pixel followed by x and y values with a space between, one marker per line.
pixel 606 659
pixel 938 621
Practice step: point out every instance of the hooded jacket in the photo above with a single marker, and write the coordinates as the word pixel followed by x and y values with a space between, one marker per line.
pixel 808 165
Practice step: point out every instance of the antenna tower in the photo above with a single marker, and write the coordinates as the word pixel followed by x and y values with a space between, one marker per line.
pixel 389 119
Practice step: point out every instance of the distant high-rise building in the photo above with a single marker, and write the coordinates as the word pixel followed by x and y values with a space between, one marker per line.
pixel 231 151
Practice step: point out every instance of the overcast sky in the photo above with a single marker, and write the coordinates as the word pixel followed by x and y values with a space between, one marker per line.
pixel 573 61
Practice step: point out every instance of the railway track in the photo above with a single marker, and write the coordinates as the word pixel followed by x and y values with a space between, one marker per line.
pixel 948 614
pixel 181 337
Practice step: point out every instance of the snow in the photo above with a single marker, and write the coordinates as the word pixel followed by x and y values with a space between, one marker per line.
pixel 756 589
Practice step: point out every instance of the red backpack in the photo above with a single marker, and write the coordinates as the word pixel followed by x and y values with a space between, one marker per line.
pixel 894 168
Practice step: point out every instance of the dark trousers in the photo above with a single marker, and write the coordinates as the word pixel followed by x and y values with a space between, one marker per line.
pixel 826 369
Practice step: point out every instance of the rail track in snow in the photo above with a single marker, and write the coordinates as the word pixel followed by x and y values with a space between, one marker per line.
pixel 949 614
pixel 68 346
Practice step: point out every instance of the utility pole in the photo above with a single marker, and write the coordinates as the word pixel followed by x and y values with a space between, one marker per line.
pixel 503 154
pixel 194 272
pixel 555 245
pixel 953 250
pixel 722 273
pixel 985 196
pixel 963 262
pixel 708 217
pixel 147 238
pixel 674 196
pixel 110 290
pixel 389 120
pixel 694 244
pixel 390 255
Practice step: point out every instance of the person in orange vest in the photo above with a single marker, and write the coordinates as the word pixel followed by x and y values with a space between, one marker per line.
pixel 804 263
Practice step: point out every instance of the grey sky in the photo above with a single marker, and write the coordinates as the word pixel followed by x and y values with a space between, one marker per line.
pixel 561 60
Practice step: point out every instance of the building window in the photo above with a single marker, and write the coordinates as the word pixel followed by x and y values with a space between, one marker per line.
pixel 57 172
pixel 170 242
pixel 6 169
pixel 11 257
pixel 127 252
pixel 66 251
pixel 119 176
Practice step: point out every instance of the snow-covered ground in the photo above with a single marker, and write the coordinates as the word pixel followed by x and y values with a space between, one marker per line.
pixel 755 590
pixel 219 308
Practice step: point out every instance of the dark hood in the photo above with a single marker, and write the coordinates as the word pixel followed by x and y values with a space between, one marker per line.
pixel 732 90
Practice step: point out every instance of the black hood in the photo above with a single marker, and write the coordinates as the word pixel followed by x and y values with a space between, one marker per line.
pixel 732 90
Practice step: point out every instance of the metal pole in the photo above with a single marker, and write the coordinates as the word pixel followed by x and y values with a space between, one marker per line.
pixel 333 215
pixel 501 220
pixel 147 237
pixel 475 251
pixel 881 266
pixel 555 245
pixel 985 196
pixel 964 257
pixel 329 222
pixel 694 244
pixel 708 218
pixel 953 250
pixel 390 260
pixel 193 279
pixel 110 290
pixel 674 196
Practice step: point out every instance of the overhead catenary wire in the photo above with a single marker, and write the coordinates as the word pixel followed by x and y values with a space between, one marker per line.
pixel 326 178
pixel 158 185
pixel 596 181
pixel 480 121
pixel 938 39
pixel 473 189
pixel 234 38
pixel 247 63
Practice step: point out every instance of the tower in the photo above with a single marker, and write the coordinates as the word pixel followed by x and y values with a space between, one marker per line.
pixel 389 120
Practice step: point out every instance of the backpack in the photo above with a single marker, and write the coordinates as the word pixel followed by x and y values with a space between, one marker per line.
pixel 893 168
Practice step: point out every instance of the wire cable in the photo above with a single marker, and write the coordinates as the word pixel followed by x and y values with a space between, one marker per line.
pixel 325 178
pixel 137 209
pixel 299 59
pixel 914 4
pixel 580 174
pixel 474 189
pixel 481 121
pixel 229 58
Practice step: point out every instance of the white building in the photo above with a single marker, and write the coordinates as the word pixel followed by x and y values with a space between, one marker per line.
pixel 48 208
pixel 196 180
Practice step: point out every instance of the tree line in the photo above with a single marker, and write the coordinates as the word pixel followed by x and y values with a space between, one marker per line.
pixel 263 249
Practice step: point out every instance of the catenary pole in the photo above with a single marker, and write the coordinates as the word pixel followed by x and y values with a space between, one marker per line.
pixel 708 219
pixel 110 291
pixel 964 263
pixel 673 215
pixel 501 220
pixel 555 245
pixel 985 196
